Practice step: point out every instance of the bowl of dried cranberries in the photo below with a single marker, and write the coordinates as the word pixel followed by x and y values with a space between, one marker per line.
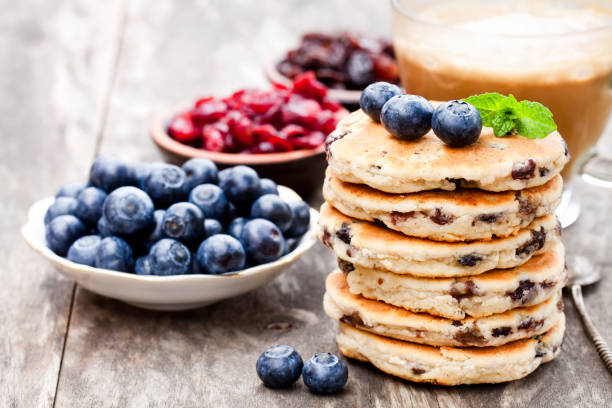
pixel 280 131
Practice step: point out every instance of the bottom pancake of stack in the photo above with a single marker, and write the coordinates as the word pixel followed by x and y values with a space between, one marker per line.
pixel 451 365
pixel 424 348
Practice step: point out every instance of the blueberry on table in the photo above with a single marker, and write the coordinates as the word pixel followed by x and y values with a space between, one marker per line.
pixel 70 190
pixel 240 185
pixel 108 173
pixel 262 240
pixel 183 221
pixel 221 253
pixel 114 254
pixel 166 184
pixel 61 206
pixel 128 210
pixel 200 171
pixel 325 373
pixel 457 123
pixel 301 219
pixel 267 186
pixel 142 267
pixel 236 226
pixel 212 227
pixel 375 95
pixel 89 207
pixel 279 366
pixel 169 257
pixel 84 250
pixel 273 208
pixel 139 171
pixel 211 200
pixel 407 117
pixel 62 231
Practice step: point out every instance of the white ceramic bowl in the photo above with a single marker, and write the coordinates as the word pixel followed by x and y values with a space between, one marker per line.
pixel 178 292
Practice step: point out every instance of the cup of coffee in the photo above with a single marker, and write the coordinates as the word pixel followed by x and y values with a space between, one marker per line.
pixel 555 53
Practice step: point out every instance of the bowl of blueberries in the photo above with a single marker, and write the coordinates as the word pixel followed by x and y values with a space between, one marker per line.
pixel 165 237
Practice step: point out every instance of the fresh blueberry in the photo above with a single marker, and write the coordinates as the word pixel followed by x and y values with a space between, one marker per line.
pixel 279 366
pixel 290 245
pixel 221 253
pixel 325 373
pixel 232 213
pixel 166 184
pixel 236 226
pixel 108 173
pixel 142 267
pixel 262 240
pixel 212 227
pixel 169 257
pixel 196 269
pixel 128 210
pixel 61 206
pixel 183 221
pixel 375 95
pixel 89 207
pixel 457 123
pixel 156 232
pixel 62 231
pixel 210 199
pixel 273 208
pixel 240 185
pixel 200 171
pixel 70 190
pixel 114 254
pixel 84 250
pixel 407 117
pixel 301 219
pixel 139 171
pixel 103 228
pixel 267 186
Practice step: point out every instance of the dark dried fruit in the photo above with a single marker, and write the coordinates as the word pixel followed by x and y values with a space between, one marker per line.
pixel 334 136
pixel 354 319
pixel 418 371
pixel 441 218
pixel 469 260
pixel 344 233
pixel 464 289
pixel 501 331
pixel 400 217
pixel 489 218
pixel 524 170
pixel 470 336
pixel 538 238
pixel 457 323
pixel 326 238
pixel 543 171
pixel 531 325
pixel 345 266
pixel 526 207
pixel 520 292
pixel 547 284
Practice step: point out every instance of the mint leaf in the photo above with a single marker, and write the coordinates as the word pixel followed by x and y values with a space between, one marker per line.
pixel 487 104
pixel 535 120
pixel 505 114
pixel 503 122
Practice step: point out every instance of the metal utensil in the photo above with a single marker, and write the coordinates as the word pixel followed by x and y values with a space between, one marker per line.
pixel 583 272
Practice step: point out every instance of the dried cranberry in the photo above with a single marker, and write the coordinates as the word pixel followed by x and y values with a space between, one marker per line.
pixel 260 101
pixel 181 128
pixel 301 111
pixel 208 112
pixel 264 147
pixel 291 131
pixel 330 105
pixel 214 139
pixel 309 141
pixel 307 85
pixel 326 122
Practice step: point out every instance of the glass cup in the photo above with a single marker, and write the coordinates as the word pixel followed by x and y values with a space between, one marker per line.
pixel 558 53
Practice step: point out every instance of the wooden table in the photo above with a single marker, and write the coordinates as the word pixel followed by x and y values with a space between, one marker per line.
pixel 79 78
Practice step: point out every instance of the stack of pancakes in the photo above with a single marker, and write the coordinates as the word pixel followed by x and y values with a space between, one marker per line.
pixel 450 259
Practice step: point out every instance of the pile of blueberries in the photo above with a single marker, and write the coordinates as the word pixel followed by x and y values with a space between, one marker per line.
pixel 161 219
pixel 409 117
pixel 281 366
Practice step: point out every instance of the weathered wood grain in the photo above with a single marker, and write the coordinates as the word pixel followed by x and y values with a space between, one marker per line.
pixel 117 355
pixel 56 60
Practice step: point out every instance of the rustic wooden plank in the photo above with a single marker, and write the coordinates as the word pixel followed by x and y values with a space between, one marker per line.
pixel 122 356
pixel 56 60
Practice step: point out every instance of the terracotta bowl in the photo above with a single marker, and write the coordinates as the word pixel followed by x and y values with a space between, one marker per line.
pixel 349 98
pixel 302 170
pixel 179 292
